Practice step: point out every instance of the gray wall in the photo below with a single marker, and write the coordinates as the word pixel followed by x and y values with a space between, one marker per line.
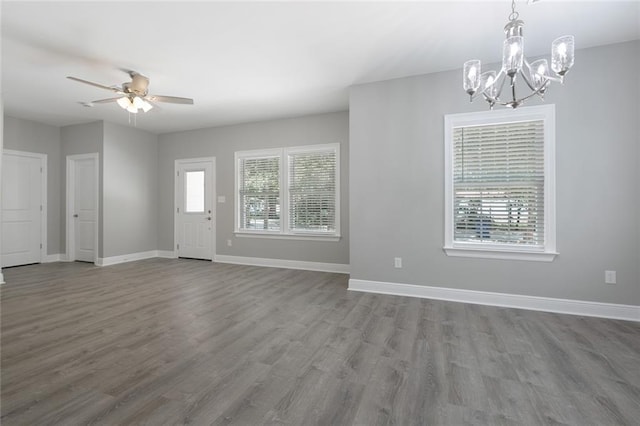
pixel 1 148
pixel 80 139
pixel 222 142
pixel 130 191
pixel 31 136
pixel 396 193
pixel 128 164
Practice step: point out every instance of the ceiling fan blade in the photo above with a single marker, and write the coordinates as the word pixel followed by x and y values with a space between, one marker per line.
pixel 90 83
pixel 105 101
pixel 169 99
pixel 128 71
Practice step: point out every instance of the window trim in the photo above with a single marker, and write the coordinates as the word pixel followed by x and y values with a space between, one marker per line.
pixel 503 251
pixel 285 231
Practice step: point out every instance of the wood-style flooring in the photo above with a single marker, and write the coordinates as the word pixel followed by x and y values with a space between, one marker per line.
pixel 189 342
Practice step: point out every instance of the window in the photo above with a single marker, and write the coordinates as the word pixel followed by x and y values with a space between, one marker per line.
pixel 500 184
pixel 259 192
pixel 194 191
pixel 289 192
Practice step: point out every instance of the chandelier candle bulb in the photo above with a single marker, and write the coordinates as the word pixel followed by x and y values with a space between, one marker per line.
pixel 540 74
pixel 562 54
pixel 516 69
pixel 471 76
pixel 512 55
pixel 487 80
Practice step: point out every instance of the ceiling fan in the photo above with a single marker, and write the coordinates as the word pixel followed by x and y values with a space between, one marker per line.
pixel 134 94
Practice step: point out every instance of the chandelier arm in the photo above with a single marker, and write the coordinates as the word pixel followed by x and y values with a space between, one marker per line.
pixel 515 101
pixel 554 79
pixel 525 63
pixel 536 91
pixel 521 100
pixel 474 96
pixel 513 90
pixel 490 100
pixel 526 80
pixel 501 77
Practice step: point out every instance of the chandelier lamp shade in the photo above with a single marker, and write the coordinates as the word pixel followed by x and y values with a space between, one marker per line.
pixel 536 76
pixel 133 104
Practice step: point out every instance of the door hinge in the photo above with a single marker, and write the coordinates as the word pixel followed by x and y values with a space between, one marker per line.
pixel 177 209
pixel 40 208
pixel 40 245
pixel 40 169
pixel 177 246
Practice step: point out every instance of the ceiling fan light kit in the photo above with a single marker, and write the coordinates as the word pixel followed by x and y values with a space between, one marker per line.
pixel 535 75
pixel 134 95
pixel 133 104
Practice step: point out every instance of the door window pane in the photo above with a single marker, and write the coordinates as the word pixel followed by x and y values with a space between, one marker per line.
pixel 194 191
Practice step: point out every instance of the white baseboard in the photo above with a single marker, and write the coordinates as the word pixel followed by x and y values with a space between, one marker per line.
pixel 547 304
pixel 167 254
pixel 114 260
pixel 238 260
pixel 53 258
pixel 282 263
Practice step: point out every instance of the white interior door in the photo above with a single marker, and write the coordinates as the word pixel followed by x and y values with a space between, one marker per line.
pixel 194 215
pixel 82 207
pixel 22 207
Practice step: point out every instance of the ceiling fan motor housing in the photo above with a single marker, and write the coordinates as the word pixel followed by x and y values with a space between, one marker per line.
pixel 139 85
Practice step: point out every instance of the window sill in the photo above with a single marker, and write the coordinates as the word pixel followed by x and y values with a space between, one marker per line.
pixel 278 236
pixel 502 254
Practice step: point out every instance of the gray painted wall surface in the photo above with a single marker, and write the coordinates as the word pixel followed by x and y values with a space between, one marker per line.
pixel 397 186
pixel 80 139
pixel 1 149
pixel 221 143
pixel 31 136
pixel 130 190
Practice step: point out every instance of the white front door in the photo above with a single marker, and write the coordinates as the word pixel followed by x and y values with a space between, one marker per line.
pixel 82 207
pixel 194 215
pixel 22 207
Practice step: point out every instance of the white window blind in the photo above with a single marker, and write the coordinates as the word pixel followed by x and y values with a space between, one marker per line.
pixel 291 192
pixel 498 183
pixel 259 193
pixel 312 191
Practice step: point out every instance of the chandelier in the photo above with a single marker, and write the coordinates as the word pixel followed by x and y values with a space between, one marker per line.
pixel 536 75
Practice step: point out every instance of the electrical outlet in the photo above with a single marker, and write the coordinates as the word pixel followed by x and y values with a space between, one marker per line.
pixel 229 243
pixel 609 277
pixel 397 262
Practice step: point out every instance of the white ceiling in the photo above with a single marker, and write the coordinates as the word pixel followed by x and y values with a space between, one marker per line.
pixel 251 61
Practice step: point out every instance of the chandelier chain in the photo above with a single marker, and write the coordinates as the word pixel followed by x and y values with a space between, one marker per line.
pixel 514 15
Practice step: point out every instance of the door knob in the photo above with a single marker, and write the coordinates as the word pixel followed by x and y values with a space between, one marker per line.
pixel 75 215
